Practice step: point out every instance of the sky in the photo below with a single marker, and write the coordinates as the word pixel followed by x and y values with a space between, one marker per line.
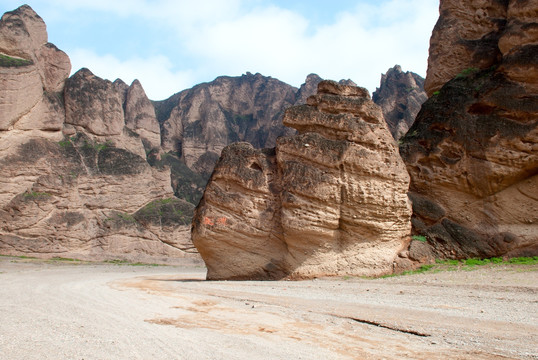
pixel 172 45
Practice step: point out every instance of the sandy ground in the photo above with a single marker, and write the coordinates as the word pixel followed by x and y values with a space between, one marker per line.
pixel 102 311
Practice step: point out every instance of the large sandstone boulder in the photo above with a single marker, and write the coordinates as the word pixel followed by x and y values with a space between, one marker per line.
pixel 329 201
pixel 400 96
pixel 473 151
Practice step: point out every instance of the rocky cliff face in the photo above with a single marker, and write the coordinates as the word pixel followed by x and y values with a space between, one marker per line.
pixel 473 151
pixel 75 180
pixel 400 96
pixel 328 201
pixel 196 124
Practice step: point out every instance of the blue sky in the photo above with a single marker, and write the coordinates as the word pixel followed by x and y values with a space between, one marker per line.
pixel 171 45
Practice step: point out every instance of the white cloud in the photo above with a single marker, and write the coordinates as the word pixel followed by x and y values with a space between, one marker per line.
pixel 155 73
pixel 235 36
pixel 360 45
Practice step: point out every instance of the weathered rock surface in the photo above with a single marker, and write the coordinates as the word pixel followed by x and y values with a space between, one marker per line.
pixel 329 201
pixel 29 66
pixel 140 116
pixel 212 115
pixel 75 181
pixel 466 36
pixel 472 153
pixel 400 96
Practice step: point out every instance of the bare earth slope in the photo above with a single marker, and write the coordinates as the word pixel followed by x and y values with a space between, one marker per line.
pixel 91 311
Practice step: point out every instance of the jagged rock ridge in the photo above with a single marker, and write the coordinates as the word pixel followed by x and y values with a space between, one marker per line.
pixel 75 181
pixel 400 96
pixel 473 151
pixel 328 201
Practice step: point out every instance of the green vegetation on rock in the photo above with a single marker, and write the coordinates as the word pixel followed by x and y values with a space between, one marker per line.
pixel 8 61
pixel 187 184
pixel 171 211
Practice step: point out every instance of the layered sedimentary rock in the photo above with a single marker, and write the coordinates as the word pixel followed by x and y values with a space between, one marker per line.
pixel 75 181
pixel 400 96
pixel 328 201
pixel 473 151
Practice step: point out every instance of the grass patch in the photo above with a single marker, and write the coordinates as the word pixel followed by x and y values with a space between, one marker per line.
pixel 469 265
pixel 524 260
pixel 8 61
pixel 24 257
pixel 128 263
pixel 64 259
pixel 467 72
pixel 35 194
pixel 420 238
pixel 420 270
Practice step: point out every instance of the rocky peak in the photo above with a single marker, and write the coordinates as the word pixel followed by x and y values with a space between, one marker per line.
pixel 140 116
pixel 400 95
pixel 328 201
pixel 93 104
pixel 308 88
pixel 22 32
pixel 29 67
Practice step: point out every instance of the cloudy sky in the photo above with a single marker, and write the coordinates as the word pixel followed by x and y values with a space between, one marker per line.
pixel 171 45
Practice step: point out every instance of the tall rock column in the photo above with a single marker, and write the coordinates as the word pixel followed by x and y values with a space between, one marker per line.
pixel 328 201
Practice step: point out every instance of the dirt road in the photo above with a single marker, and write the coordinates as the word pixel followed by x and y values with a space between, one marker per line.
pixel 101 311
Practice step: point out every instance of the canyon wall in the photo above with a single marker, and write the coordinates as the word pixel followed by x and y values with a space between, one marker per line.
pixel 75 181
pixel 472 153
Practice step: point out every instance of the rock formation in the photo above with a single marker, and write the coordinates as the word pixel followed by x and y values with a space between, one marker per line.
pixel 328 201
pixel 196 124
pixel 400 96
pixel 75 181
pixel 472 153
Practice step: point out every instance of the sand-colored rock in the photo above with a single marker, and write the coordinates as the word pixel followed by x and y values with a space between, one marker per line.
pixel 75 181
pixel 400 96
pixel 329 201
pixel 472 28
pixel 34 73
pixel 140 116
pixel 21 90
pixel 473 151
pixel 93 104
pixel 22 32
pixel 54 66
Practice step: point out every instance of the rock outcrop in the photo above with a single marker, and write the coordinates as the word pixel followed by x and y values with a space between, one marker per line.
pixel 196 124
pixel 331 200
pixel 472 153
pixel 400 96
pixel 212 115
pixel 75 181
